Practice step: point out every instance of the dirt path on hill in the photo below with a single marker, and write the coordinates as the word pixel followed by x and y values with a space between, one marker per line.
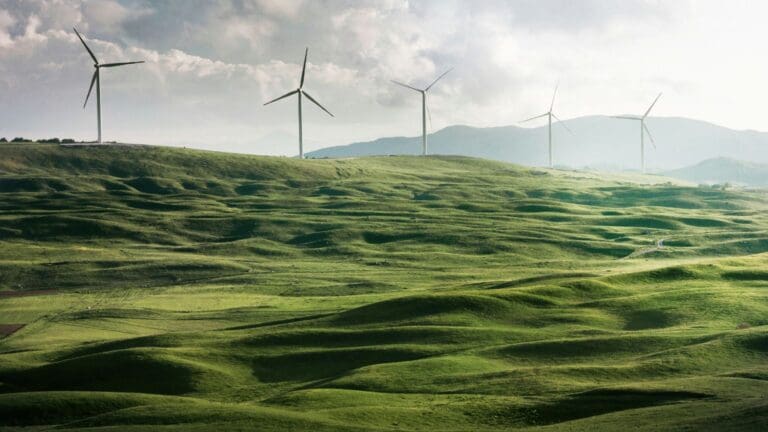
pixel 9 329
pixel 640 252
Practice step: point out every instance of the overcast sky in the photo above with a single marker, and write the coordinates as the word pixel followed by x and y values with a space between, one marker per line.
pixel 211 64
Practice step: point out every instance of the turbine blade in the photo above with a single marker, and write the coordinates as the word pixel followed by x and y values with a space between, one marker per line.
pixel 438 79
pixel 651 107
pixel 304 67
pixel 290 93
pixel 407 86
pixel 120 64
pixel 93 80
pixel 552 105
pixel 560 122
pixel 534 118
pixel 648 131
pixel 86 46
pixel 316 103
pixel 627 117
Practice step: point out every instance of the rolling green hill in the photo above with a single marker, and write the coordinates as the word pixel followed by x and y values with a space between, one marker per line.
pixel 146 288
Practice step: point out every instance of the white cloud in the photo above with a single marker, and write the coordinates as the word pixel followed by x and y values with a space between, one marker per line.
pixel 108 16
pixel 179 61
pixel 211 65
pixel 280 8
pixel 6 21
pixel 30 32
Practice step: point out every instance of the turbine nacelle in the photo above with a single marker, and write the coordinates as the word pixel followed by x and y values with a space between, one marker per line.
pixel 643 130
pixel 550 114
pixel 424 109
pixel 301 93
pixel 96 78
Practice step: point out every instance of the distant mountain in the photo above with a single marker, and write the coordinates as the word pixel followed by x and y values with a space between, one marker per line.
pixel 598 141
pixel 724 170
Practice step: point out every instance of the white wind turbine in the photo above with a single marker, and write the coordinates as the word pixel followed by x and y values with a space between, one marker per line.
pixel 643 130
pixel 424 108
pixel 97 79
pixel 549 114
pixel 300 91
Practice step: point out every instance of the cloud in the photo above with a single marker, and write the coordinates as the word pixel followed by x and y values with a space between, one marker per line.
pixel 109 16
pixel 288 9
pixel 212 64
pixel 6 21
pixel 585 15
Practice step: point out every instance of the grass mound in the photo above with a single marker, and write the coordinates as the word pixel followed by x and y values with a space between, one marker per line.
pixel 643 222
pixel 746 275
pixel 565 350
pixel 48 408
pixel 154 185
pixel 603 401
pixel 130 370
pixel 420 309
pixel 650 319
pixel 57 227
pixel 32 184
pixel 329 363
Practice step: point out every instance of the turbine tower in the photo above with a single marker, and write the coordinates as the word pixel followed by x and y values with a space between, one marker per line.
pixel 643 130
pixel 550 114
pixel 301 93
pixel 97 79
pixel 424 109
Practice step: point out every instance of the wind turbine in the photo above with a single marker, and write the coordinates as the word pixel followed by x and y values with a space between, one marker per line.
pixel 549 114
pixel 300 91
pixel 97 79
pixel 643 130
pixel 424 109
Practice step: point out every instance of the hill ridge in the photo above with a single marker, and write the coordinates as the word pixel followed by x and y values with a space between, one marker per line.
pixel 598 141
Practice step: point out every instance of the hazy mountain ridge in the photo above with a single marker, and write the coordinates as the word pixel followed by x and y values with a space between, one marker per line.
pixel 597 141
pixel 724 170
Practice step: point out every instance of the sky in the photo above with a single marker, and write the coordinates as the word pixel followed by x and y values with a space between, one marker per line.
pixel 211 64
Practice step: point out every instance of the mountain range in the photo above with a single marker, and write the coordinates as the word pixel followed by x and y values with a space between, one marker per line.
pixel 724 170
pixel 596 142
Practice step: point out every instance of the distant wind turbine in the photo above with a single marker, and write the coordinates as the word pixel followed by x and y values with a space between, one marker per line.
pixel 549 114
pixel 97 79
pixel 300 91
pixel 424 109
pixel 643 130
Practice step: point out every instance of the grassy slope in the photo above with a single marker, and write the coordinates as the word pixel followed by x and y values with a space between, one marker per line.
pixel 208 291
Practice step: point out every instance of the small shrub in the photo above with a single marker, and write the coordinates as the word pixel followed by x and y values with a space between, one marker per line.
pixel 743 326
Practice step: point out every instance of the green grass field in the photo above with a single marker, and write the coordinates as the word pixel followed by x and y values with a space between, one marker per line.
pixel 179 290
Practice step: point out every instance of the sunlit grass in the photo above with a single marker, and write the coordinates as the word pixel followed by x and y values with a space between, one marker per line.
pixel 210 291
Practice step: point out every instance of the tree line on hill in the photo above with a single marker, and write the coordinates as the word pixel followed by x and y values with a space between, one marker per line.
pixel 42 140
